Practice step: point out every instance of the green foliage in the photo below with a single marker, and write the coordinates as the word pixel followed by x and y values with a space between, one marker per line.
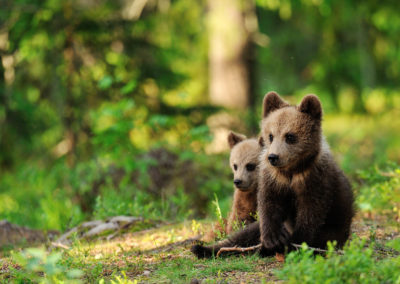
pixel 38 266
pixel 71 58
pixel 360 141
pixel 380 192
pixel 343 50
pixel 36 197
pixel 356 265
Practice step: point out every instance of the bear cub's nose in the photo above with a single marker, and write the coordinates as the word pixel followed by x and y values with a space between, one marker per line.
pixel 273 159
pixel 237 182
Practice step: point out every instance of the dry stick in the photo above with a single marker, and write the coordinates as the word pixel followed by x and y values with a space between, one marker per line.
pixel 59 245
pixel 237 249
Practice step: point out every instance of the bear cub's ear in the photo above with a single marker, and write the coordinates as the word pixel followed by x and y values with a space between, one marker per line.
pixel 234 138
pixel 311 105
pixel 272 101
pixel 261 141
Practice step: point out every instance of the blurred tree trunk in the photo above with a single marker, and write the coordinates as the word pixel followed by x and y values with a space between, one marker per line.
pixel 230 49
pixel 233 29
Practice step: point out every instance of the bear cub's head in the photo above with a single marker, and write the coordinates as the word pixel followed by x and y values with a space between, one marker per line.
pixel 244 160
pixel 291 135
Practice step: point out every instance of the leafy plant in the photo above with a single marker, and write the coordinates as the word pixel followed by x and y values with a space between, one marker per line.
pixel 356 265
pixel 37 265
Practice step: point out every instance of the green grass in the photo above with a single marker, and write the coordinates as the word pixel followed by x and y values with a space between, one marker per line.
pixel 183 270
pixel 131 257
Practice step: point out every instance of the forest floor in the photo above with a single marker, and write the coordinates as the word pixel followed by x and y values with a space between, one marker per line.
pixel 162 255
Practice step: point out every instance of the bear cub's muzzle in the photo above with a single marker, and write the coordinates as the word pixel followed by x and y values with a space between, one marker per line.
pixel 273 159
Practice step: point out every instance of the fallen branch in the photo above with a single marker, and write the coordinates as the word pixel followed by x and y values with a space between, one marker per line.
pixel 111 227
pixel 239 249
pixel 59 245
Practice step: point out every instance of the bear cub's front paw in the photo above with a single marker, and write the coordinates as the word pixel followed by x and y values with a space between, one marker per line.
pixel 276 239
pixel 264 252
pixel 201 251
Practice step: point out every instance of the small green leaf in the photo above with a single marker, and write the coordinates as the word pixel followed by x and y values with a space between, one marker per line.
pixel 105 82
pixel 128 88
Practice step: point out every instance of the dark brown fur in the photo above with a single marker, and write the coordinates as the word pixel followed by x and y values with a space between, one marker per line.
pixel 304 197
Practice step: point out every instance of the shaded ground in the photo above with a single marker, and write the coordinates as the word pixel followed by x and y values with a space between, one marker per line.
pixel 161 255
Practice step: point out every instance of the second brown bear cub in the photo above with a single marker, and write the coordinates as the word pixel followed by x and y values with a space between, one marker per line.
pixel 244 163
pixel 303 195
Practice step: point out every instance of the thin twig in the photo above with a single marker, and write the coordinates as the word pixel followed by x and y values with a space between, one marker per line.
pixel 59 245
pixel 297 246
pixel 237 249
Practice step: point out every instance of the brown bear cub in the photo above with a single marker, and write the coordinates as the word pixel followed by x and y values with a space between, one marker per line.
pixel 303 195
pixel 244 163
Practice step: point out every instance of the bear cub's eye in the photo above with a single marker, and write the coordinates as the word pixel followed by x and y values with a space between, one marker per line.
pixel 290 138
pixel 250 167
pixel 271 138
pixel 235 167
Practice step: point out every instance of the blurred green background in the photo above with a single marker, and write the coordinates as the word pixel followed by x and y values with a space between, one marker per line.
pixel 122 107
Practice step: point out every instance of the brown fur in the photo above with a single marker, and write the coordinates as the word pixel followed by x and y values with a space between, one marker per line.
pixel 244 209
pixel 244 152
pixel 303 195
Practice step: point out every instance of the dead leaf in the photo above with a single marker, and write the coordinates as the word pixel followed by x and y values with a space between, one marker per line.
pixel 280 257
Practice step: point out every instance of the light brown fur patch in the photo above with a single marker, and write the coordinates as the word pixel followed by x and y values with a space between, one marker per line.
pixel 244 206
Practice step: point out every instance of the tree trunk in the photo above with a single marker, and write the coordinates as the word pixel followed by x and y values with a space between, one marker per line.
pixel 229 41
